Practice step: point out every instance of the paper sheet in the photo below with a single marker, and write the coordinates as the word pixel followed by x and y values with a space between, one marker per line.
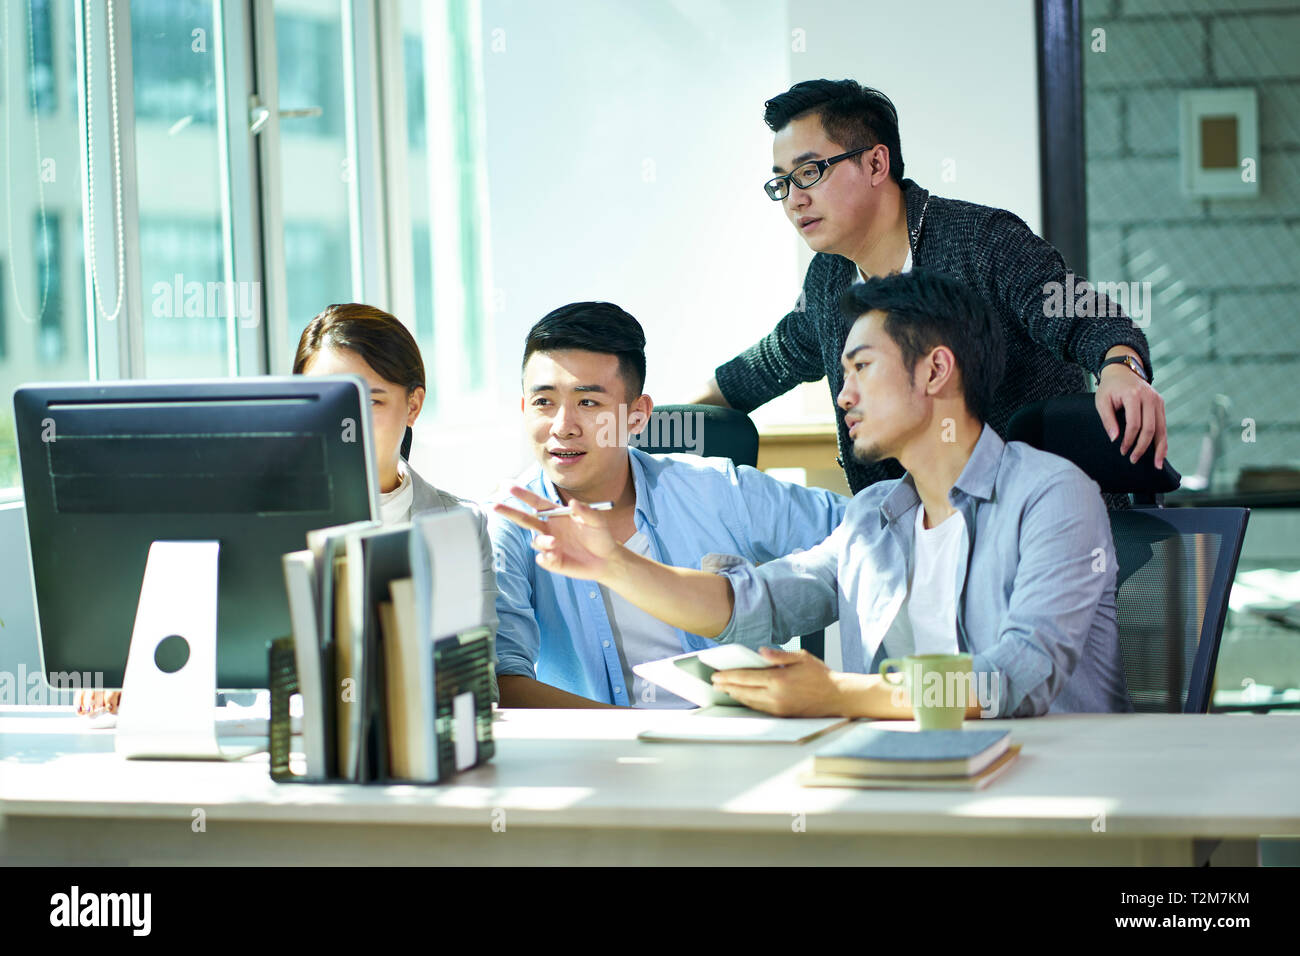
pixel 452 543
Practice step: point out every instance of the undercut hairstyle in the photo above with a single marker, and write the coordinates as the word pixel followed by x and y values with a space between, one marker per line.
pixel 924 310
pixel 593 327
pixel 852 115
pixel 383 343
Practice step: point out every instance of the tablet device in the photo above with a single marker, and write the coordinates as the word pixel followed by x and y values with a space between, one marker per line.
pixel 689 676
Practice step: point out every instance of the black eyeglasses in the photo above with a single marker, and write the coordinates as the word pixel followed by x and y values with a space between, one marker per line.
pixel 806 175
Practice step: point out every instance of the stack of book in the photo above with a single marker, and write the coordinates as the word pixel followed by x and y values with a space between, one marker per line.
pixel 389 651
pixel 876 758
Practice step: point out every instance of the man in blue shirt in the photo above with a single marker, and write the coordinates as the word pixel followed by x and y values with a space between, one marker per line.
pixel 993 548
pixel 565 643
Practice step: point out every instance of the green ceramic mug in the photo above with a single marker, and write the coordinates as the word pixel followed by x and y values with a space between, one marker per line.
pixel 940 686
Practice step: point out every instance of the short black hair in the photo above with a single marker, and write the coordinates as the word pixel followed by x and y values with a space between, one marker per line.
pixel 924 310
pixel 593 327
pixel 852 115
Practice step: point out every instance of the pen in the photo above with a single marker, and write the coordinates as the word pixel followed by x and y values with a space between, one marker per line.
pixel 568 509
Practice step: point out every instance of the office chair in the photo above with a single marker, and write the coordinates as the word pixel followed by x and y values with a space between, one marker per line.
pixel 1069 426
pixel 1176 565
pixel 717 433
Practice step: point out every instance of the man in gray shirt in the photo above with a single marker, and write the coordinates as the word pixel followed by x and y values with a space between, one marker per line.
pixel 1030 581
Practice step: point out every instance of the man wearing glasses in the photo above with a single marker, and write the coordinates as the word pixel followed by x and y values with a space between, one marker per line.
pixel 840 181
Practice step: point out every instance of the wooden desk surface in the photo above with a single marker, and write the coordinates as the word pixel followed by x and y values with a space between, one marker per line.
pixel 576 786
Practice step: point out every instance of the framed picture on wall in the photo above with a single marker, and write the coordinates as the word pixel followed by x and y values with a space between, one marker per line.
pixel 1219 132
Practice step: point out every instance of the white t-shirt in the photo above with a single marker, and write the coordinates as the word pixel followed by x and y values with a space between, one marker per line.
pixel 907 267
pixel 395 505
pixel 927 621
pixel 641 637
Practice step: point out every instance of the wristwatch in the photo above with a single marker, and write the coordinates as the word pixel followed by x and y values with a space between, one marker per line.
pixel 1128 360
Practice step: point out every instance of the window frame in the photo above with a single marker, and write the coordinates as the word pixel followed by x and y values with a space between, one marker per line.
pixel 251 187
pixel 1062 175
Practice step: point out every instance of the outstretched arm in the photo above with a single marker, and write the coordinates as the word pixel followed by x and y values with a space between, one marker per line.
pixel 580 546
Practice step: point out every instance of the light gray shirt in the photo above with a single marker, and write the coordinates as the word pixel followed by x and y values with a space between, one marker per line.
pixel 1036 585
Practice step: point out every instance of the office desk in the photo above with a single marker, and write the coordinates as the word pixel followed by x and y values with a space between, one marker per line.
pixel 576 787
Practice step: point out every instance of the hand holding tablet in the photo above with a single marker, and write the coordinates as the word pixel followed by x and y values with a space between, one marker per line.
pixel 690 675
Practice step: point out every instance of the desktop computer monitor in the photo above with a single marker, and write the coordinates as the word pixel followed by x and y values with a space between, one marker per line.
pixel 110 468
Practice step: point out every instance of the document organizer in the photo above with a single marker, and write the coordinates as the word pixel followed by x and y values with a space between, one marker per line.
pixel 462 712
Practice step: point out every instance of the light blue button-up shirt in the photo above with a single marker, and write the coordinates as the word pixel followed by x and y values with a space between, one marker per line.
pixel 556 629
pixel 1036 582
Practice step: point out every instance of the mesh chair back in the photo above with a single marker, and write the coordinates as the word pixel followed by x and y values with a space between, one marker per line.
pixel 708 430
pixel 1175 566
pixel 1175 572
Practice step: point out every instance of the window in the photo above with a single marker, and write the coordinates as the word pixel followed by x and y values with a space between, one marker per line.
pixel 315 164
pixel 206 235
pixel 1215 278
pixel 446 194
pixel 316 266
pixel 42 291
pixel 186 326
pixel 4 329
pixel 178 157
pixel 47 243
pixel 42 44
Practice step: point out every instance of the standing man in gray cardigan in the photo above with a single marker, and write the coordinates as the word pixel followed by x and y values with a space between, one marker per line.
pixel 840 181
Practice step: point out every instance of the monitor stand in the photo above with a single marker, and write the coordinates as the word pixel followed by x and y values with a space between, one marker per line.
pixel 171 668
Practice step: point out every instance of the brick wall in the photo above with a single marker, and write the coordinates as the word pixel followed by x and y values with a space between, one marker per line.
pixel 1225 273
